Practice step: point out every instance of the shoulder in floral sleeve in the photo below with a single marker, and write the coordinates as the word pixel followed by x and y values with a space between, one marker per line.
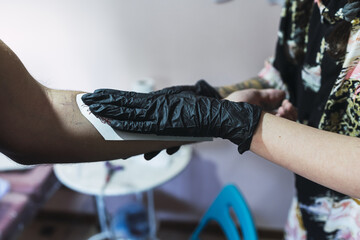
pixel 342 110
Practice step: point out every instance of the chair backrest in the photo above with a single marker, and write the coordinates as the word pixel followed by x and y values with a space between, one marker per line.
pixel 219 211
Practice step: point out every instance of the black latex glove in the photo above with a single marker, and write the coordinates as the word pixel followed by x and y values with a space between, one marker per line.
pixel 151 155
pixel 201 88
pixel 182 114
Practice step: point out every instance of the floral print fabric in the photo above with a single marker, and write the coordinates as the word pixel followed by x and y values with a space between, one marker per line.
pixel 327 94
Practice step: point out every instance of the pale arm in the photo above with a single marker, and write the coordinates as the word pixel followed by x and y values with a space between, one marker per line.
pixel 327 158
pixel 42 125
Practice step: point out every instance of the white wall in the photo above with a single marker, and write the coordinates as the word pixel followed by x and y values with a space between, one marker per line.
pixel 88 44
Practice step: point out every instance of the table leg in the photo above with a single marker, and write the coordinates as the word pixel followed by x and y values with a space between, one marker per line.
pixel 100 206
pixel 151 214
pixel 103 219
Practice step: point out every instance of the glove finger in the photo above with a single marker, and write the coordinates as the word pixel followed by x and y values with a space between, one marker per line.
pixel 128 99
pixel 146 127
pixel 151 155
pixel 90 98
pixel 175 90
pixel 120 113
pixel 128 94
pixel 205 89
pixel 172 150
pixel 101 97
pixel 107 91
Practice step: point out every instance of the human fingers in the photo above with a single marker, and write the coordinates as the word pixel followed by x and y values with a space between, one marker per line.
pixel 271 98
pixel 287 110
pixel 290 109
pixel 247 95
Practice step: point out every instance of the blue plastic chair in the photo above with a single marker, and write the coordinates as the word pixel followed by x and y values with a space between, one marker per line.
pixel 219 211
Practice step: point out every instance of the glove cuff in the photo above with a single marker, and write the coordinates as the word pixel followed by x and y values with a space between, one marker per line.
pixel 254 116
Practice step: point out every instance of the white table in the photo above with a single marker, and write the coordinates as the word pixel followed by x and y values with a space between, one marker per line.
pixel 137 176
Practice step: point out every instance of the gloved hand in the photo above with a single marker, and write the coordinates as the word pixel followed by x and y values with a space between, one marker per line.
pixel 201 88
pixel 181 114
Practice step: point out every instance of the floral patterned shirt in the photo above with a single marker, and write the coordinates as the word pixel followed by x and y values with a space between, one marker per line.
pixel 327 94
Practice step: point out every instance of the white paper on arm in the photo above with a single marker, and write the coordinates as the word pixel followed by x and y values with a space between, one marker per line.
pixel 111 134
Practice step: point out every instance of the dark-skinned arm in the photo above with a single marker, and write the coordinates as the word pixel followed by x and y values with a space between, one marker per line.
pixel 43 125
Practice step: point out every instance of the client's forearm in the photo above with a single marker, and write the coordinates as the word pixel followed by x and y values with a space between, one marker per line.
pixel 41 125
pixel 327 158
pixel 256 82
pixel 66 136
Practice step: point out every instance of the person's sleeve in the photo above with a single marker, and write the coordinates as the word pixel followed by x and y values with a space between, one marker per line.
pixel 279 71
pixel 272 76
